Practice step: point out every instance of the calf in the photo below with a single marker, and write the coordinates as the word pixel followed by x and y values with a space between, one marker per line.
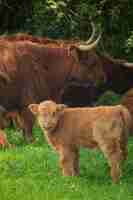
pixel 103 127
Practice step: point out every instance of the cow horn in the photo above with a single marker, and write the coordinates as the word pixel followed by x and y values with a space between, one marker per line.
pixel 90 46
pixel 92 35
pixel 127 64
pixel 4 76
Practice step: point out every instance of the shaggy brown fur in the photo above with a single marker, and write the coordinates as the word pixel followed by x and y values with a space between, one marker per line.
pixel 104 127
pixel 40 40
pixel 117 73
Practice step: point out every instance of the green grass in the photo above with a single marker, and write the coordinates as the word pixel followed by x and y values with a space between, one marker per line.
pixel 31 172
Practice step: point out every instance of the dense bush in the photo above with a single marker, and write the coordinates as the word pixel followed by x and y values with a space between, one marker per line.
pixel 108 98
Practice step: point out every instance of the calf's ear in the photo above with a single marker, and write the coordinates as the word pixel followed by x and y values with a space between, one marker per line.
pixel 61 107
pixel 33 108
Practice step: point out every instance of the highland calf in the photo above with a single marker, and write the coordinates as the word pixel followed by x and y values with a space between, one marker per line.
pixel 103 127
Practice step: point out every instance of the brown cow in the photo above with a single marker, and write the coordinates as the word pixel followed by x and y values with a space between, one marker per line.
pixel 36 39
pixel 31 72
pixel 104 127
pixel 118 72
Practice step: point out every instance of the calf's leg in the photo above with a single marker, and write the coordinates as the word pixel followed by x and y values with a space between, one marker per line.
pixel 76 161
pixel 123 146
pixel 69 162
pixel 112 151
pixel 114 162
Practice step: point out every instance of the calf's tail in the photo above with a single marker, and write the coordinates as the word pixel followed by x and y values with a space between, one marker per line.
pixel 127 120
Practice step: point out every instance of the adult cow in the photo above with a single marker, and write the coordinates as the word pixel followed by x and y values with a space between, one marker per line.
pixel 118 72
pixel 31 72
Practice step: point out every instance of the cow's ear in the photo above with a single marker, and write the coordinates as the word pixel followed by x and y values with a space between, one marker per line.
pixel 33 108
pixel 74 52
pixel 61 107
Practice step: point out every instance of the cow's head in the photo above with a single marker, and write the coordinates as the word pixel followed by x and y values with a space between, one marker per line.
pixel 47 113
pixel 87 67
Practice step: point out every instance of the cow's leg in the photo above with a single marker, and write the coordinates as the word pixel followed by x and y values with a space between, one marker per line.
pixel 114 161
pixel 69 162
pixel 124 151
pixel 123 146
pixel 76 161
pixel 28 121
pixel 28 97
pixel 112 152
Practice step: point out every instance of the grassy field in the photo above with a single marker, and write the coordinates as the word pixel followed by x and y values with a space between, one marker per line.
pixel 31 172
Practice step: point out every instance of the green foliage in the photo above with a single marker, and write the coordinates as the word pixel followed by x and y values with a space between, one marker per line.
pixel 32 172
pixel 14 14
pixel 15 136
pixel 108 98
pixel 129 43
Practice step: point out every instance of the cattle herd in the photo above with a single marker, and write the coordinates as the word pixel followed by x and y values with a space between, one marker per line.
pixel 73 73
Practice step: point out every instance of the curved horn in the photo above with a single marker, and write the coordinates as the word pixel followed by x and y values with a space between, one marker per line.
pixel 93 33
pixel 4 76
pixel 127 64
pixel 90 46
pixel 121 62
